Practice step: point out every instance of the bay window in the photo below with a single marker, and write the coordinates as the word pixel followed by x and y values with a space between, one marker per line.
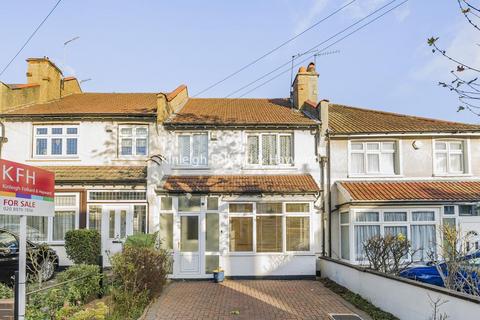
pixel 193 149
pixel 373 158
pixel 132 140
pixel 449 157
pixel 269 227
pixel 55 140
pixel 269 149
pixel 418 226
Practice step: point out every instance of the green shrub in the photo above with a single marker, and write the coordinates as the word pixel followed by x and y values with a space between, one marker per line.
pixel 83 246
pixel 142 240
pixel 139 274
pixel 75 313
pixel 46 304
pixel 79 292
pixel 5 292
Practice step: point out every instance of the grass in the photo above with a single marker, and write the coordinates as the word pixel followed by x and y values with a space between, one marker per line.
pixel 357 300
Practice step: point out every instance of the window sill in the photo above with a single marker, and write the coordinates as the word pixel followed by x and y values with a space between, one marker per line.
pixel 451 175
pixel 130 158
pixel 191 168
pixel 363 176
pixel 275 167
pixel 53 159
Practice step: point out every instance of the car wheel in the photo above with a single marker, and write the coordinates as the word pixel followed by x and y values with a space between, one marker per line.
pixel 47 270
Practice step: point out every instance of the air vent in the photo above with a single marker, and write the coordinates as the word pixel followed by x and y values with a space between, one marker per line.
pixel 344 317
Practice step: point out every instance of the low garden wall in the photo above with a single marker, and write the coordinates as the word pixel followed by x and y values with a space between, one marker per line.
pixel 6 309
pixel 404 298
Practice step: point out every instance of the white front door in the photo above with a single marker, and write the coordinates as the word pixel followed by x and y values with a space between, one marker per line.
pixel 189 255
pixel 117 225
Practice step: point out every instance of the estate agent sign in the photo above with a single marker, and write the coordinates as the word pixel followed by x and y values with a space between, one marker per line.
pixel 26 190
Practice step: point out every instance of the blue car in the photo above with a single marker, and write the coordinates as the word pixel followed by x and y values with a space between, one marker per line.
pixel 428 273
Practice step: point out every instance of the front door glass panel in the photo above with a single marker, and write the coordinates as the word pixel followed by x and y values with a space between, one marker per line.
pixel 189 233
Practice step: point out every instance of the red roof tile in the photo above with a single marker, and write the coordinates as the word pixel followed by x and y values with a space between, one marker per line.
pixel 302 183
pixel 351 120
pixel 413 190
pixel 217 111
pixel 94 103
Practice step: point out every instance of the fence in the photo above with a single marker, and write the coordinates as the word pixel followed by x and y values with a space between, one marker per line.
pixel 6 309
pixel 404 298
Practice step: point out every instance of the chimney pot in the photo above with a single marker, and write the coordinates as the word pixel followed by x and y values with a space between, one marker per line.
pixel 302 69
pixel 311 67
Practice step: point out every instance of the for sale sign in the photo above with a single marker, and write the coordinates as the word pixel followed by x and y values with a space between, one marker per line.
pixel 26 190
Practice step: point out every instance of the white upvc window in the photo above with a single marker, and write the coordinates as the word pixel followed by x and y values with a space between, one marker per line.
pixel 55 141
pixel 374 158
pixel 269 227
pixel 450 156
pixel 269 149
pixel 132 140
pixel 193 149
pixel 417 225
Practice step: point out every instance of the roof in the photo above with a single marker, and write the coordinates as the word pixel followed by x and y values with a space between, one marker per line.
pixel 352 120
pixel 412 190
pixel 222 111
pixel 93 103
pixel 302 183
pixel 98 174
pixel 14 86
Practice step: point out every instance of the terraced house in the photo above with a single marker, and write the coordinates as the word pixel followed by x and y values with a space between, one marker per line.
pixel 258 187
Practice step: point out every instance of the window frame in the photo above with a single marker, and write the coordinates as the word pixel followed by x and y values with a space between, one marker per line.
pixel 178 162
pixel 134 137
pixel 49 136
pixel 465 156
pixel 277 163
pixel 75 208
pixel 90 200
pixel 254 214
pixel 397 157
pixel 408 223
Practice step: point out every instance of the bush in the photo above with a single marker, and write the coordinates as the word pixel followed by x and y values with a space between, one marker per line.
pixel 75 313
pixel 142 240
pixel 139 274
pixel 5 292
pixel 46 304
pixel 79 292
pixel 83 246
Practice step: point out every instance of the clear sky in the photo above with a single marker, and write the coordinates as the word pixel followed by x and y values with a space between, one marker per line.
pixel 153 46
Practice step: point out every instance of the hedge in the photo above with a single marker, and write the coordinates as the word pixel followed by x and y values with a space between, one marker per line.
pixel 83 246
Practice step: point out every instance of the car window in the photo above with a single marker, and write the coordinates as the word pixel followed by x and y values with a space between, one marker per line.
pixel 8 241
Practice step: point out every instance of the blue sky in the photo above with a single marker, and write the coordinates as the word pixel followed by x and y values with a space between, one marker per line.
pixel 152 46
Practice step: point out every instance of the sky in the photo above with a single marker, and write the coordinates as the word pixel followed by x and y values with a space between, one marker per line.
pixel 154 46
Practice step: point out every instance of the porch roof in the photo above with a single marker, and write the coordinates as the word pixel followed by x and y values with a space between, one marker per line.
pixel 99 174
pixel 410 190
pixel 253 184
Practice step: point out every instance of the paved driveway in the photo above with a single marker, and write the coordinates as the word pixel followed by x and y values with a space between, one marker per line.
pixel 248 299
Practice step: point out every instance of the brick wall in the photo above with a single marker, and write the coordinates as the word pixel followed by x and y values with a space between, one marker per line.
pixel 6 309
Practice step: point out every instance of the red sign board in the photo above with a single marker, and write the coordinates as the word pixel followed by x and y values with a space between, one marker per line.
pixel 26 190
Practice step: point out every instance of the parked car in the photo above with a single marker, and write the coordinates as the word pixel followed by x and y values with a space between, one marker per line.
pixel 46 259
pixel 428 272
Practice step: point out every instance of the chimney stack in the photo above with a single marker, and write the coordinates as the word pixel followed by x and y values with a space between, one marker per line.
pixel 305 86
pixel 45 73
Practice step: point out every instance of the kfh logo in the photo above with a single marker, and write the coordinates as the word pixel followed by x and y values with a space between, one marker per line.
pixel 18 174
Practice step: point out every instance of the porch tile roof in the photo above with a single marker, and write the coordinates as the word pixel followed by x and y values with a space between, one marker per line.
pixel 222 111
pixel 96 174
pixel 350 120
pixel 293 183
pixel 412 190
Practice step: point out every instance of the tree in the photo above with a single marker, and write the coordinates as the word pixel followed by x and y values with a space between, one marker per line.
pixel 464 83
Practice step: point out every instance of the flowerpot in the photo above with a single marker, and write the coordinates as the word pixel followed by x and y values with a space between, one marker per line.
pixel 218 276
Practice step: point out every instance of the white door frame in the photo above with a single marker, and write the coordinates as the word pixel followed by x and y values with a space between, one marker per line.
pixel 183 257
pixel 112 245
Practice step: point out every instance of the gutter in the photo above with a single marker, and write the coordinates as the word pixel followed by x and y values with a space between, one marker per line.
pixel 327 137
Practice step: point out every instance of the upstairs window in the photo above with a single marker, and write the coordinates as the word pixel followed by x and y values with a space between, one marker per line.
pixel 269 149
pixel 449 157
pixel 193 149
pixel 373 158
pixel 55 141
pixel 133 140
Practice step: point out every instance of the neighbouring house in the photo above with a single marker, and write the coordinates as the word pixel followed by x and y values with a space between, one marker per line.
pixel 97 144
pixel 392 173
pixel 257 187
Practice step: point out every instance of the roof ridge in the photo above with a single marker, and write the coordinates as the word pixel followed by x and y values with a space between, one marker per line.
pixel 404 115
pixel 216 98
